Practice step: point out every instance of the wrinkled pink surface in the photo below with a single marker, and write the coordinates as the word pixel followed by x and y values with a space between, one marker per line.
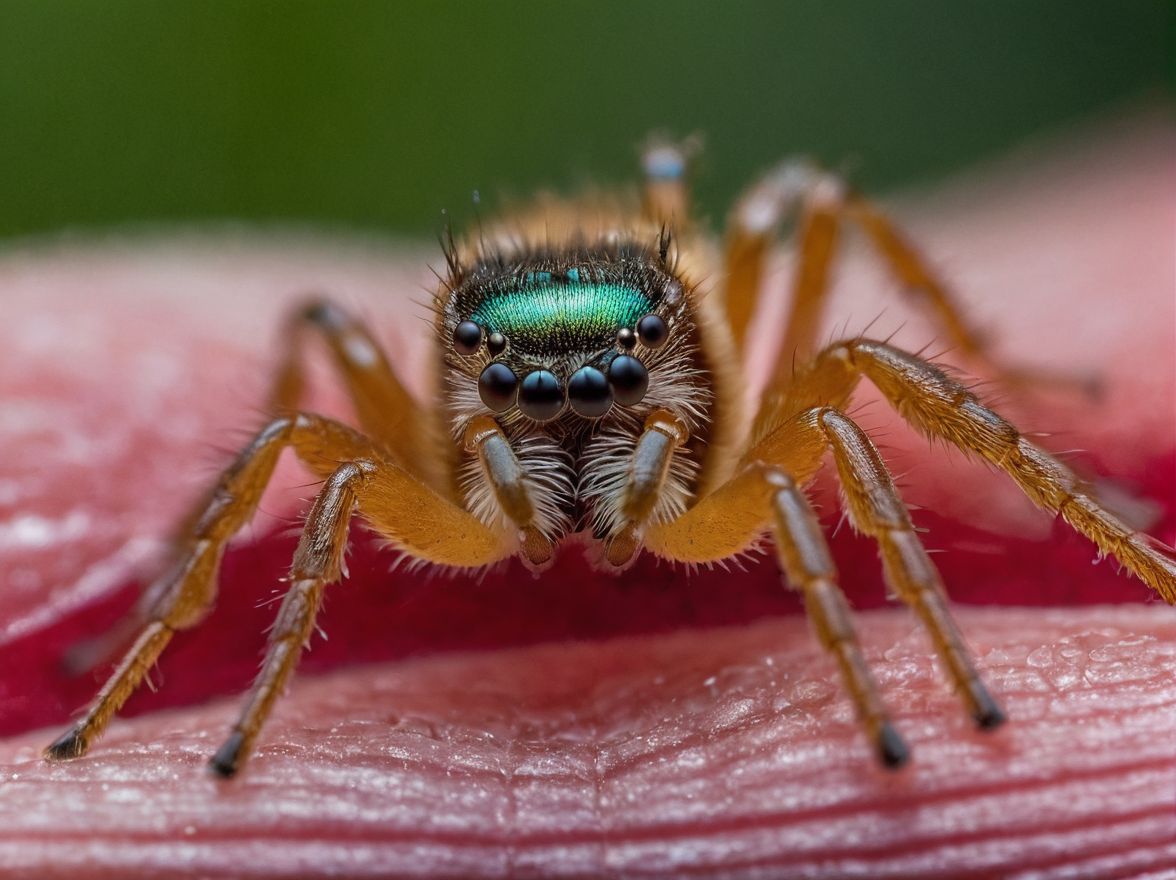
pixel 694 727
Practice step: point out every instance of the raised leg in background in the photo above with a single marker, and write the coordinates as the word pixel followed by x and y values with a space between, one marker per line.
pixel 386 411
pixel 825 203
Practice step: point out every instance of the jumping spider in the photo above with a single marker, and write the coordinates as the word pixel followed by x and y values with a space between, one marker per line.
pixel 588 385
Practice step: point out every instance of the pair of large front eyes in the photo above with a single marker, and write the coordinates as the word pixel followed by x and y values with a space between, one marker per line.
pixel 542 397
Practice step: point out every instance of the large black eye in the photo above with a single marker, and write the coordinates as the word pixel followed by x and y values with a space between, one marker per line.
pixel 467 336
pixel 589 392
pixel 497 386
pixel 541 397
pixel 629 379
pixel 652 331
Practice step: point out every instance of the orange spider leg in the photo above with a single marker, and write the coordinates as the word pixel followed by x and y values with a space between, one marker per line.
pixel 665 197
pixel 317 562
pixel 825 202
pixel 386 411
pixel 876 509
pixel 939 406
pixel 729 520
pixel 808 567
pixel 404 509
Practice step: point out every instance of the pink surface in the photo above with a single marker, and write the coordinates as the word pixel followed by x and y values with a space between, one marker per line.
pixel 694 725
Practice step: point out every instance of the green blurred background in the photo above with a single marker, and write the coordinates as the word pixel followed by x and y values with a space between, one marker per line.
pixel 380 115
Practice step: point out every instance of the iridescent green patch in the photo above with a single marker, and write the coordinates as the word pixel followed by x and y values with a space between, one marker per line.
pixel 563 314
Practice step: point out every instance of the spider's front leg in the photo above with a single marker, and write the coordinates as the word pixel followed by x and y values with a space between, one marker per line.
pixel 395 502
pixel 728 520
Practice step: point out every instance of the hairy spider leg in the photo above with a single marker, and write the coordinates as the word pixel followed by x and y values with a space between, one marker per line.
pixel 940 407
pixel 665 197
pixel 825 202
pixel 728 521
pixel 387 412
pixel 317 562
pixel 397 504
pixel 808 568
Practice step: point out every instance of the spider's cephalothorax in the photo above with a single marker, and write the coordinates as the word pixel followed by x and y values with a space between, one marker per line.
pixel 571 351
pixel 587 383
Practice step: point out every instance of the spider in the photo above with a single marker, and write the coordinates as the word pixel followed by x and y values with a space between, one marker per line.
pixel 588 385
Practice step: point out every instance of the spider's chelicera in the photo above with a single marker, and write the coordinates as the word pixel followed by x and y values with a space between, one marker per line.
pixel 589 381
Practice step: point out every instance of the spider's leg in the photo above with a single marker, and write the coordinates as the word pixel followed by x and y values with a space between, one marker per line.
pixel 752 232
pixel 809 568
pixel 876 509
pixel 939 406
pixel 386 411
pixel 729 520
pixel 825 203
pixel 665 196
pixel 317 562
pixel 425 524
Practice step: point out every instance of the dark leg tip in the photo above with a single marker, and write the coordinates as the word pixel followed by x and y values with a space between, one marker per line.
pixel 892 749
pixel 70 744
pixel 989 715
pixel 228 757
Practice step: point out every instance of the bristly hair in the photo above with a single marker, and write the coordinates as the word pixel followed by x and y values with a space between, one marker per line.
pixel 497 259
pixel 449 249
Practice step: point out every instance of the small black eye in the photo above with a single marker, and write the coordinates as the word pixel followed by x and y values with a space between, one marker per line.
pixel 541 397
pixel 467 336
pixel 497 387
pixel 626 338
pixel 496 343
pixel 629 379
pixel 652 331
pixel 589 393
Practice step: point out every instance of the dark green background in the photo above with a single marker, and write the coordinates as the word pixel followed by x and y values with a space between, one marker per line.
pixel 381 114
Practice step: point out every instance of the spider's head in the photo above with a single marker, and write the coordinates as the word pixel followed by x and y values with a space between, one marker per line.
pixel 577 334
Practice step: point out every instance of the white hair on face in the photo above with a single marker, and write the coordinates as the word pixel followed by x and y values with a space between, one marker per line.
pixel 604 476
pixel 547 476
pixel 676 385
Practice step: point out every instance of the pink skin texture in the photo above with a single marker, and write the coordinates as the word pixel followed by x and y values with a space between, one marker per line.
pixel 655 724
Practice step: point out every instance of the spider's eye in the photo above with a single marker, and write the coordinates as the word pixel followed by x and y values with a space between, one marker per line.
pixel 497 386
pixel 589 393
pixel 629 379
pixel 541 397
pixel 467 336
pixel 652 331
pixel 626 338
pixel 496 344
